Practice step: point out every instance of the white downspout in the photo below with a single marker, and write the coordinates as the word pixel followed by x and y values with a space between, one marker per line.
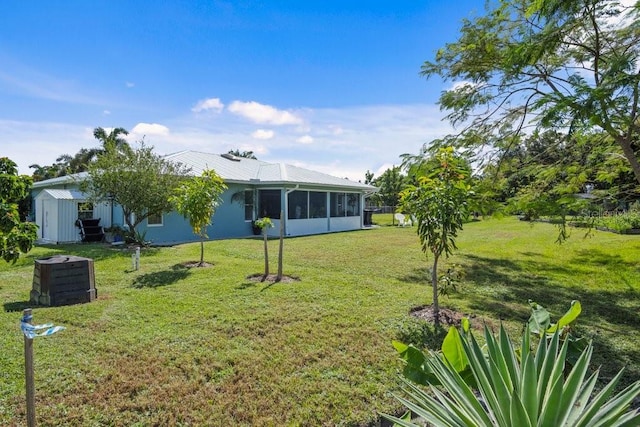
pixel 285 213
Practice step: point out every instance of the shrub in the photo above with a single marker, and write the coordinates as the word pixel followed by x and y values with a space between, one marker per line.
pixel 515 387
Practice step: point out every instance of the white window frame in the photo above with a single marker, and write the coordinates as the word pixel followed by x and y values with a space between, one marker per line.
pixel 155 224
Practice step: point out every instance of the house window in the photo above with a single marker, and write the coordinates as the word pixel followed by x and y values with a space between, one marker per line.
pixel 298 205
pixel 154 220
pixel 337 204
pixel 353 204
pixel 85 210
pixel 345 204
pixel 269 203
pixel 248 205
pixel 317 204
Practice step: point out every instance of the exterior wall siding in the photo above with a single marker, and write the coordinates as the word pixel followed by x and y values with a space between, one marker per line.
pixel 228 221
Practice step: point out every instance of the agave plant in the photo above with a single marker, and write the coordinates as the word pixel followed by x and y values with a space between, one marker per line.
pixel 518 387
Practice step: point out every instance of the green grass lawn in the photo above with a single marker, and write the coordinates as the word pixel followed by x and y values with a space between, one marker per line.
pixel 167 345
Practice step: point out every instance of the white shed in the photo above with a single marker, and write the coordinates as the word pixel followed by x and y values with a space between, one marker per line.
pixel 57 211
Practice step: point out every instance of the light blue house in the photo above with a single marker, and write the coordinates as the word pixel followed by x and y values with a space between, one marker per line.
pixel 312 202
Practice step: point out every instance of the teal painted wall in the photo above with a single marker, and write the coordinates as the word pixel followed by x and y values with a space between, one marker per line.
pixel 228 221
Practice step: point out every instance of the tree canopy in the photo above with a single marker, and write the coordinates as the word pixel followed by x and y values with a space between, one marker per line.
pixel 544 64
pixel 139 180
pixel 390 184
pixel 197 199
pixel 16 236
pixel 439 203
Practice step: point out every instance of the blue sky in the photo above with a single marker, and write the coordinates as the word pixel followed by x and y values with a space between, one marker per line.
pixel 333 86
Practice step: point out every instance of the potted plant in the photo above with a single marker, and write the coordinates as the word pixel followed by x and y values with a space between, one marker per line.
pixel 114 234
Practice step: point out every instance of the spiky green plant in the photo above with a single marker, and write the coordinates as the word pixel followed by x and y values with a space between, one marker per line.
pixel 518 387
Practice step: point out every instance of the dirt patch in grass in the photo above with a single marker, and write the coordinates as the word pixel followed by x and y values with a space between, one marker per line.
pixel 449 317
pixel 271 278
pixel 194 264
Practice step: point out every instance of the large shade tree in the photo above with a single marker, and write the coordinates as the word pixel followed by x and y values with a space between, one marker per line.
pixel 16 236
pixel 544 64
pixel 139 180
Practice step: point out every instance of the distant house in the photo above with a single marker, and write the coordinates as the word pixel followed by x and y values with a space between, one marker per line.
pixel 313 202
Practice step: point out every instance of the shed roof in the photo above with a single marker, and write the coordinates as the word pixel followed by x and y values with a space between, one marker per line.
pixel 63 194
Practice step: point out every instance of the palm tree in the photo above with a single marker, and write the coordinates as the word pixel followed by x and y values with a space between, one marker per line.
pixel 245 154
pixel 112 140
pixel 80 161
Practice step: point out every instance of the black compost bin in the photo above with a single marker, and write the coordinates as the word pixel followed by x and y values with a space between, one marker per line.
pixel 62 280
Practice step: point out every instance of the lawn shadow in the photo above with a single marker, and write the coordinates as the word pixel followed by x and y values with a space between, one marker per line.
pixel 514 283
pixel 612 361
pixel 17 305
pixel 246 285
pixel 597 258
pixel 161 278
pixel 420 275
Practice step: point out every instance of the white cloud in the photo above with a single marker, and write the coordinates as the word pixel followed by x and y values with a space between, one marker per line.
pixel 263 134
pixel 208 104
pixel 306 139
pixel 150 129
pixel 129 84
pixel 106 112
pixel 369 137
pixel 264 114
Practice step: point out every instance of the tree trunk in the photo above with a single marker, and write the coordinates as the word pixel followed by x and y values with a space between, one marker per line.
pixel 627 149
pixel 434 285
pixel 279 276
pixel 266 254
pixel 201 251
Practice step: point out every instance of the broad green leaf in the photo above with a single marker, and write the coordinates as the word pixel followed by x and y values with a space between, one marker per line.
pixel 539 320
pixel 453 351
pixel 415 367
pixel 569 317
pixel 465 324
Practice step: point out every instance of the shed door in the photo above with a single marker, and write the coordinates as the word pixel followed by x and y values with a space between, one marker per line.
pixel 47 218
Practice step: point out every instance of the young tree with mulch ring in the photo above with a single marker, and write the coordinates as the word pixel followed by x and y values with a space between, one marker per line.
pixel 439 203
pixel 197 200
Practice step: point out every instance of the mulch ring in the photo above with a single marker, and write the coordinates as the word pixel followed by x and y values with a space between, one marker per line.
pixel 450 317
pixel 271 278
pixel 194 264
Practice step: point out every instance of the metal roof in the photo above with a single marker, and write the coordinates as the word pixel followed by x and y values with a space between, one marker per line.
pixel 254 171
pixel 67 179
pixel 240 170
pixel 64 194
